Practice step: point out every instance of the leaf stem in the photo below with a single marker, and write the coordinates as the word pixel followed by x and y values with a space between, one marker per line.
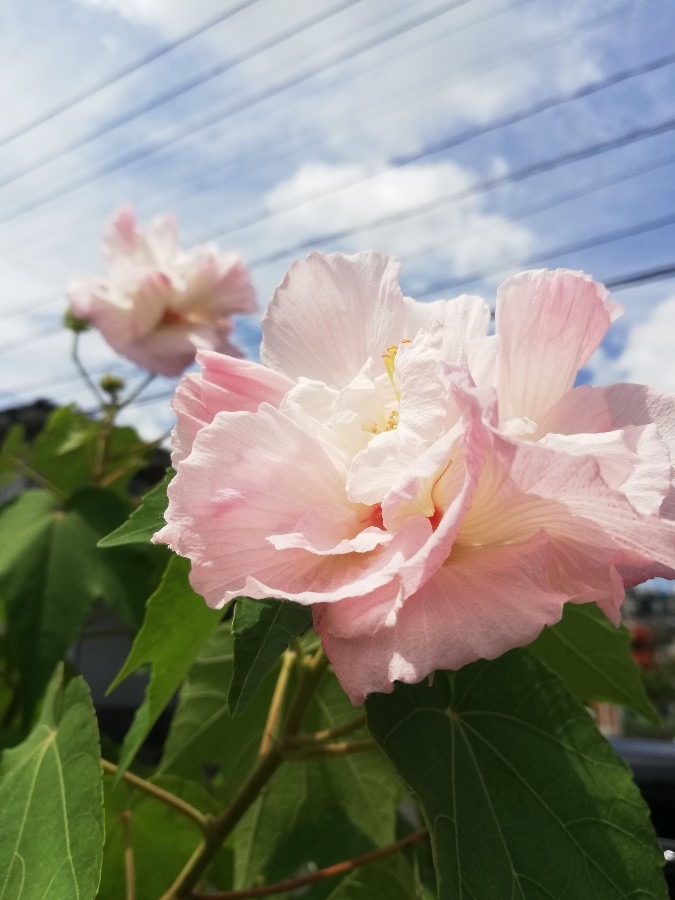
pixel 129 863
pixel 330 751
pixel 139 390
pixel 201 821
pixel 277 703
pixel 26 470
pixel 75 356
pixel 311 670
pixel 327 734
pixel 341 868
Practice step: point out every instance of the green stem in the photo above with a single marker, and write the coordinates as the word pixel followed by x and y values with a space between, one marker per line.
pixel 201 821
pixel 128 850
pixel 341 868
pixel 331 751
pixel 21 467
pixel 327 734
pixel 75 356
pixel 139 390
pixel 311 671
pixel 277 703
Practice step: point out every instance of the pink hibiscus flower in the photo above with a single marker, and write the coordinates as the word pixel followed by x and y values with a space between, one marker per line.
pixel 159 304
pixel 436 494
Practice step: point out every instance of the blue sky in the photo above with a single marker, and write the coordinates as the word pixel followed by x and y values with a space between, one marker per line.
pixel 310 134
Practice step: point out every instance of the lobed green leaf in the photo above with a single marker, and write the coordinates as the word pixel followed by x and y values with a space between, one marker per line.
pixel 51 797
pixel 521 794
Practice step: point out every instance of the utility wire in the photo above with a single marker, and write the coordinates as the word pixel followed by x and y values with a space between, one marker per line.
pixel 625 281
pixel 478 188
pixel 183 88
pixel 547 204
pixel 616 283
pixel 208 122
pixel 608 237
pixel 460 138
pixel 122 73
pixel 23 309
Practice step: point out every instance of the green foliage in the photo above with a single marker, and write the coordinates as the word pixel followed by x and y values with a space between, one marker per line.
pixel 177 624
pixel 262 630
pixel 521 794
pixel 391 879
pixel 52 573
pixel 594 658
pixel 144 521
pixel 160 837
pixel 316 813
pixel 51 828
pixel 74 451
pixel 14 448
pixel 203 732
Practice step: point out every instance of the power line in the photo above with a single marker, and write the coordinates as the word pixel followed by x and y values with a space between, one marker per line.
pixel 463 137
pixel 173 93
pixel 21 310
pixel 266 94
pixel 608 237
pixel 550 203
pixel 479 188
pixel 124 72
pixel 625 281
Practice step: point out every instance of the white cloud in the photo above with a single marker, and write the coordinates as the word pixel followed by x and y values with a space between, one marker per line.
pixel 440 235
pixel 649 355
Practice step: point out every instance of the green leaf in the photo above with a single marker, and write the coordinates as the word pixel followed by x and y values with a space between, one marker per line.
pixel 144 521
pixel 129 575
pixel 262 630
pixel 50 576
pixel 161 838
pixel 594 659
pixel 14 449
pixel 522 796
pixel 51 829
pixel 67 452
pixel 316 813
pixel 202 730
pixel 391 879
pixel 177 624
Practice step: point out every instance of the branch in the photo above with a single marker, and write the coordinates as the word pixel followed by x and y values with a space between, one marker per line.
pixel 277 704
pixel 341 868
pixel 75 355
pixel 26 470
pixel 153 790
pixel 129 864
pixel 326 734
pixel 330 751
pixel 139 390
pixel 311 671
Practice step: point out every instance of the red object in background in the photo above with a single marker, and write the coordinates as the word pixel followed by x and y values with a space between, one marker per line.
pixel 642 646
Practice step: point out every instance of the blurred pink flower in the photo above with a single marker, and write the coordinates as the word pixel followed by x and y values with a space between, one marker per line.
pixel 159 304
pixel 437 494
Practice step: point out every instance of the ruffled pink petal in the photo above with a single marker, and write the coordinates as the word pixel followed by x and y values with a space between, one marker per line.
pixel 162 240
pixel 463 319
pixel 471 609
pixel 122 237
pixel 254 475
pixel 331 313
pixel 225 384
pixel 548 323
pixel 595 410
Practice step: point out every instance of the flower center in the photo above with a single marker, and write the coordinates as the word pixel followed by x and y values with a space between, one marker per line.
pixel 390 418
